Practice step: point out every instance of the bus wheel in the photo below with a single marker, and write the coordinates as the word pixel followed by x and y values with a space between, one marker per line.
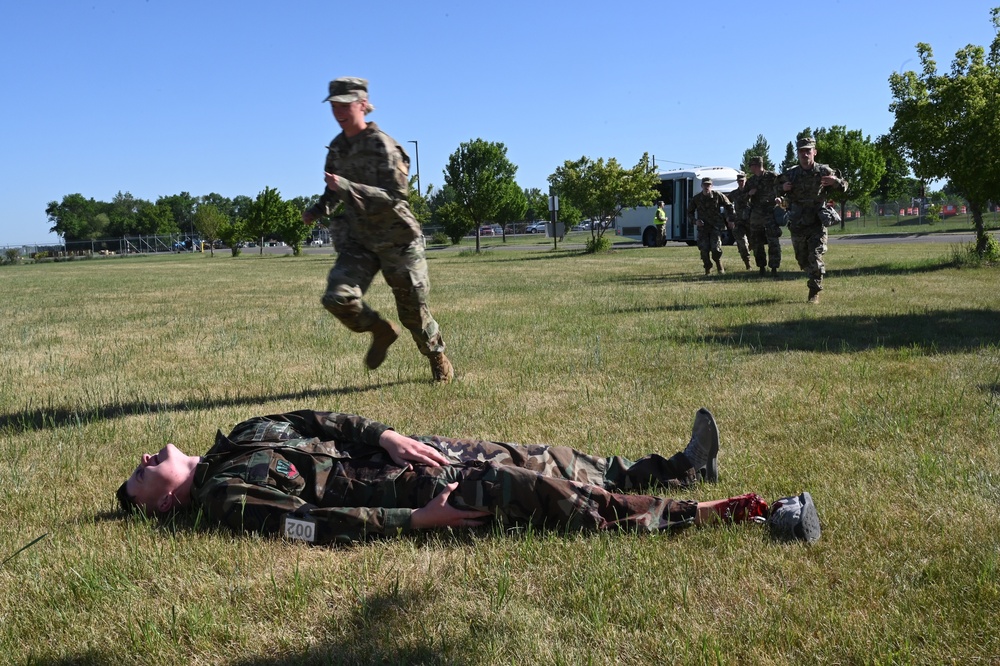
pixel 649 238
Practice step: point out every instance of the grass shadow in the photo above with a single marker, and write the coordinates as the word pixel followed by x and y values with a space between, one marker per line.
pixel 938 331
pixel 41 419
pixel 687 307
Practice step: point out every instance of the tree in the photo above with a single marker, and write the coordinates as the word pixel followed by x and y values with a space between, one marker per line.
pixel 222 204
pixel 601 190
pixel 123 213
pixel 269 215
pixel 790 158
pixel 514 207
pixel 538 204
pixel 948 125
pixel 73 217
pixel 234 233
pixel 209 220
pixel 418 202
pixel 182 206
pixel 153 218
pixel 895 183
pixel 454 219
pixel 288 226
pixel 481 176
pixel 759 148
pixel 857 159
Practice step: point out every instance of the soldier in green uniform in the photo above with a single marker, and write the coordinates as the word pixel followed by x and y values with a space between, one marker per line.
pixel 741 226
pixel 806 187
pixel 764 231
pixel 712 213
pixel 367 171
pixel 325 477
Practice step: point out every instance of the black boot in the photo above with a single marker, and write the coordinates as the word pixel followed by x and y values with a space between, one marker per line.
pixel 703 449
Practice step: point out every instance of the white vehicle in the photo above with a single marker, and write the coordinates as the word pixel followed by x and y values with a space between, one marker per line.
pixel 675 190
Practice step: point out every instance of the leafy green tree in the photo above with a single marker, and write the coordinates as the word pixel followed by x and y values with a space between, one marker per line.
pixel 895 183
pixel 761 148
pixel 948 125
pixel 73 217
pixel 234 233
pixel 209 220
pixel 455 220
pixel 222 204
pixel 538 204
pixel 182 206
pixel 153 218
pixel 481 176
pixel 288 226
pixel 601 190
pixel 857 158
pixel 242 205
pixel 123 213
pixel 791 159
pixel 513 210
pixel 418 202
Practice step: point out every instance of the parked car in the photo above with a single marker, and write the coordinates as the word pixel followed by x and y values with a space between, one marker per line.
pixel 316 242
pixel 486 230
pixel 536 228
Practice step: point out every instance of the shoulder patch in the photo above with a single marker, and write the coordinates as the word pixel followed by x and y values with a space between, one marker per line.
pixel 286 469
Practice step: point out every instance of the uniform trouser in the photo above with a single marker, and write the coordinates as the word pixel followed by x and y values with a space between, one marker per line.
pixel 661 235
pixel 809 243
pixel 765 234
pixel 710 244
pixel 405 270
pixel 555 486
pixel 740 233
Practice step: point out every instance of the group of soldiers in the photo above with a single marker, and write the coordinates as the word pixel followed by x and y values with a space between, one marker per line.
pixel 761 205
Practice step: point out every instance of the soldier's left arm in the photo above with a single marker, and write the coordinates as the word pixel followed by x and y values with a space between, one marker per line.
pixel 833 180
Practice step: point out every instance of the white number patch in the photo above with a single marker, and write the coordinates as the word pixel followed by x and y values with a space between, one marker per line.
pixel 300 529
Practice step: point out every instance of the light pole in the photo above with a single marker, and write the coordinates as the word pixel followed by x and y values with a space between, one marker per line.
pixel 416 154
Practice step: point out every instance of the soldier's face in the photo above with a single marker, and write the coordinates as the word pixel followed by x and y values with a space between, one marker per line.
pixel 756 169
pixel 807 157
pixel 157 477
pixel 349 115
pixel 740 182
pixel 706 187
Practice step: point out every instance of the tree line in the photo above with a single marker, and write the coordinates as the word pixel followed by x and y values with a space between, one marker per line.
pixel 947 127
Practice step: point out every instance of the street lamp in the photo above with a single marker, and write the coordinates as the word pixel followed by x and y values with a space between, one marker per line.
pixel 416 154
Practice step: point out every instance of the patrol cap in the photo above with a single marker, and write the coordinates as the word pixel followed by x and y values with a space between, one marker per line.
pixel 756 160
pixel 805 142
pixel 706 179
pixel 348 89
pixel 741 176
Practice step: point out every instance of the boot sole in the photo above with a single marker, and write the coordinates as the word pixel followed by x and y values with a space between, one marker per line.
pixel 808 528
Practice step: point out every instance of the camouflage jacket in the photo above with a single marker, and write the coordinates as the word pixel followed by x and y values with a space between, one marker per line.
pixel 373 172
pixel 808 194
pixel 710 209
pixel 327 465
pixel 762 201
pixel 740 200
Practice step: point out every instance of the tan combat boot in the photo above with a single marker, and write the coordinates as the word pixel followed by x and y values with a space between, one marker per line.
pixel 813 296
pixel 746 260
pixel 384 333
pixel 718 265
pixel 441 368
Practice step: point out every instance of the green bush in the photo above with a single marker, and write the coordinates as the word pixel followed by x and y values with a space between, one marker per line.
pixel 966 256
pixel 440 238
pixel 598 244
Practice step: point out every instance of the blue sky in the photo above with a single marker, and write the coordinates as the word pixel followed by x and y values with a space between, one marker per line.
pixel 155 97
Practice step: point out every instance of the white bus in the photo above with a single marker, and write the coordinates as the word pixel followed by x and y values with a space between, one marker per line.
pixel 675 190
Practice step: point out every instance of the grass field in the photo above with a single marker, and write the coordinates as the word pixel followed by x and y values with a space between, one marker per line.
pixel 883 401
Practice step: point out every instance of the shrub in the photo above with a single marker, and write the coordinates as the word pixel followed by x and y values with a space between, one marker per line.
pixel 965 256
pixel 440 238
pixel 595 245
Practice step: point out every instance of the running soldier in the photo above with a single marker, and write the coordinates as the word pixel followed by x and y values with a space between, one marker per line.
pixel 806 188
pixel 764 231
pixel 712 213
pixel 367 171
pixel 741 227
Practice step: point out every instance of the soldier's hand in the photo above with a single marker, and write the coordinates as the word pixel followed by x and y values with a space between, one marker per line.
pixel 787 187
pixel 438 513
pixel 405 450
pixel 829 181
pixel 308 217
pixel 331 180
pixel 730 225
pixel 752 192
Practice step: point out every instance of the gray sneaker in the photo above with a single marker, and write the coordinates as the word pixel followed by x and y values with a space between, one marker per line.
pixel 795 518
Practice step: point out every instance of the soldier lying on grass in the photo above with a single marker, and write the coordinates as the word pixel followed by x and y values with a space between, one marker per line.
pixel 325 477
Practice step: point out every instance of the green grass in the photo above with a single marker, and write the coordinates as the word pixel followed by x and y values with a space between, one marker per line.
pixel 883 401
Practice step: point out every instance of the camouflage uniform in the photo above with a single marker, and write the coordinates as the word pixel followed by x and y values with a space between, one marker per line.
pixel 708 209
pixel 376 232
pixel 763 229
pixel 741 228
pixel 330 468
pixel 805 199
